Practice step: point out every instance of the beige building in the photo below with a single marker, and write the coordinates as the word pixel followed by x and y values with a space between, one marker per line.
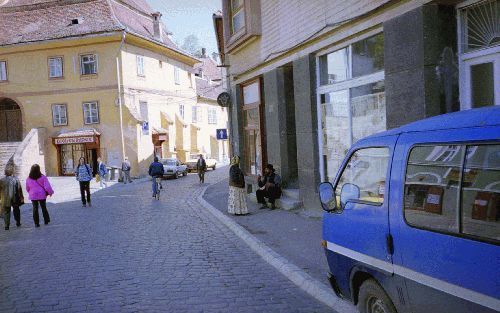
pixel 103 78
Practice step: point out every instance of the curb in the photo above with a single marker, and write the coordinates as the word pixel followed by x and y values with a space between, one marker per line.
pixel 300 278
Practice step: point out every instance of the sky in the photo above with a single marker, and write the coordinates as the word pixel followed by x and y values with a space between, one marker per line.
pixel 186 17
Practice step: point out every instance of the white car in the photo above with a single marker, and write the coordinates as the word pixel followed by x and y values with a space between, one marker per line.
pixel 173 168
pixel 191 163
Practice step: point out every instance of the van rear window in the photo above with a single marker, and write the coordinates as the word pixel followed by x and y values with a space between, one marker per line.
pixel 455 189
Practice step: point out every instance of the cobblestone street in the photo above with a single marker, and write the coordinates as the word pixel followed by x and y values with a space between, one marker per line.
pixel 131 253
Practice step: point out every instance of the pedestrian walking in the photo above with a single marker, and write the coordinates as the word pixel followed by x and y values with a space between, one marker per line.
pixel 270 187
pixel 102 171
pixel 126 171
pixel 11 196
pixel 201 168
pixel 237 201
pixel 84 175
pixel 156 170
pixel 38 188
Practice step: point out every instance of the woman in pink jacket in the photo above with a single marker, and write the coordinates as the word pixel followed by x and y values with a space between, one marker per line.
pixel 38 188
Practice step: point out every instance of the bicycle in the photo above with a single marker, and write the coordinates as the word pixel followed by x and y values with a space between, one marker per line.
pixel 158 189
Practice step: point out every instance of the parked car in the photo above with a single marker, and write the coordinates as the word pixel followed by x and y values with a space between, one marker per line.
pixel 174 168
pixel 412 221
pixel 191 163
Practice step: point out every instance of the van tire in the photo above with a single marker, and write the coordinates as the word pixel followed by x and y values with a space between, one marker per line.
pixel 371 296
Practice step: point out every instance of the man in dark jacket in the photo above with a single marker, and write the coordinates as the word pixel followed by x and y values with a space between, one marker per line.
pixel 201 167
pixel 156 170
pixel 270 187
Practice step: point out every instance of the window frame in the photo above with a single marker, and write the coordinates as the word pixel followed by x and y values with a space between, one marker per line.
pixel 62 66
pixel 232 13
pixel 177 77
pixel 98 112
pixel 346 162
pixel 6 71
pixel 194 114
pixel 458 234
pixel 65 105
pixel 82 63
pixel 182 110
pixel 212 121
pixel 140 70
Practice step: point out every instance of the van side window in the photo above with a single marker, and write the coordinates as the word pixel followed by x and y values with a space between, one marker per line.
pixel 481 192
pixel 432 187
pixel 366 171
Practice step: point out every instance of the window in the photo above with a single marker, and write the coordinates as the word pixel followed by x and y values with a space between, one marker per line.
pixel 181 110
pixel 455 189
pixel 140 65
pixel 91 113
pixel 177 79
pixel 237 15
pixel 59 115
pixel 143 107
pixel 253 139
pixel 480 25
pixel 194 116
pixel 3 70
pixel 55 67
pixel 88 64
pixel 364 177
pixel 352 99
pixel 482 85
pixel 212 116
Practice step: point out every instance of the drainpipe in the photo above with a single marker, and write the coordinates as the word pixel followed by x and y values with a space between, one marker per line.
pixel 118 75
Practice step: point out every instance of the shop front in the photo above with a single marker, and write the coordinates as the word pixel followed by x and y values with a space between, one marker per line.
pixel 159 136
pixel 72 146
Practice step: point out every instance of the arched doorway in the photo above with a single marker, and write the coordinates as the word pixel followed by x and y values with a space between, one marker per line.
pixel 11 124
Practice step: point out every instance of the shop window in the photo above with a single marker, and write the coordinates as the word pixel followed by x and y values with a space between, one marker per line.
pixel 481 192
pixel 140 65
pixel 194 115
pixel 88 64
pixel 334 67
pixel 59 115
pixel 212 116
pixel 237 15
pixel 432 187
pixel 3 70
pixel 55 67
pixel 91 113
pixel 364 177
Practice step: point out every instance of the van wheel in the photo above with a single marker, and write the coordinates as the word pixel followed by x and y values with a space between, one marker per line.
pixel 373 299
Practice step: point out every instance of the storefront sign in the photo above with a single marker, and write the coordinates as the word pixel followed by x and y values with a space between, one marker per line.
pixel 224 99
pixel 162 137
pixel 73 140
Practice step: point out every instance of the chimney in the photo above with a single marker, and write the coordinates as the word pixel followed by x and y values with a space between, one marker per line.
pixel 203 52
pixel 157 26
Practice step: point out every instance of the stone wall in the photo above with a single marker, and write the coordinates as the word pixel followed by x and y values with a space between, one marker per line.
pixel 31 151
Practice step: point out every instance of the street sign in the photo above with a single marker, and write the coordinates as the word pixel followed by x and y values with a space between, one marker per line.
pixel 145 128
pixel 222 134
pixel 224 99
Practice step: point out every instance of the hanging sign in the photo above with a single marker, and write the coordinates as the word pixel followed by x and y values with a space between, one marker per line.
pixel 73 140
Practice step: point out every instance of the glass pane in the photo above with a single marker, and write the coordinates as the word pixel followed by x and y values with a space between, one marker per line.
pixel 236 4
pixel 3 70
pixel 250 146
pixel 336 131
pixel 251 93
pixel 368 110
pixel 432 185
pixel 480 25
pixel 482 85
pixel 238 21
pixel 333 67
pixel 481 192
pixel 366 170
pixel 368 56
pixel 252 117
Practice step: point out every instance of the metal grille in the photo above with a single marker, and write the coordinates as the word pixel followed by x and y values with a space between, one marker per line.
pixel 481 25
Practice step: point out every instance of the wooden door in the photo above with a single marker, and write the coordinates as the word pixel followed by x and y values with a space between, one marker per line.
pixel 11 125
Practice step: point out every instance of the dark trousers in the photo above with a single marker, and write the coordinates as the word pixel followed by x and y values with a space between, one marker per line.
pixel 85 188
pixel 45 213
pixel 272 193
pixel 201 175
pixel 17 215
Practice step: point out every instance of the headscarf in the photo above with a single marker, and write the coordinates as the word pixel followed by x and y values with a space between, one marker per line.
pixel 235 160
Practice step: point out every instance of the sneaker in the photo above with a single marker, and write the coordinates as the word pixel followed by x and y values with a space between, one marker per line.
pixel 18 224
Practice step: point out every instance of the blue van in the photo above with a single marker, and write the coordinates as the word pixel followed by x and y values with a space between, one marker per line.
pixel 412 221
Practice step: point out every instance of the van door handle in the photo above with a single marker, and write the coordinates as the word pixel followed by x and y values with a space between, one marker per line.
pixel 389 244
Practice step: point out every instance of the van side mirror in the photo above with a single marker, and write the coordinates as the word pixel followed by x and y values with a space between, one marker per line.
pixel 327 197
pixel 349 192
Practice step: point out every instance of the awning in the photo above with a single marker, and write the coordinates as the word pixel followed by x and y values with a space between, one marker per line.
pixel 77 137
pixel 181 120
pixel 167 117
pixel 159 131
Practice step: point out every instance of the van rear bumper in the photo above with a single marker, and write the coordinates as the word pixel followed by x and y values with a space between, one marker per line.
pixel 334 285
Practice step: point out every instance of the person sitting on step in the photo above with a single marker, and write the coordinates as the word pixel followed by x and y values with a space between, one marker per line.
pixel 270 187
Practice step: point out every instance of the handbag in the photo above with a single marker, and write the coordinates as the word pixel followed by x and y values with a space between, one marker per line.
pixel 46 193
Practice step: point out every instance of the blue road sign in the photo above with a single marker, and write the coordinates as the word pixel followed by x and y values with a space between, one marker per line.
pixel 222 134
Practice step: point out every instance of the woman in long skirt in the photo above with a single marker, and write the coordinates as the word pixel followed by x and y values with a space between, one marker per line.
pixel 237 201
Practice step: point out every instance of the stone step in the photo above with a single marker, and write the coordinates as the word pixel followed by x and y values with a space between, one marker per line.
pixel 284 202
pixel 292 193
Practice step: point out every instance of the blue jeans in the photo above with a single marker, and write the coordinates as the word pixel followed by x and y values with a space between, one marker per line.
pixel 154 186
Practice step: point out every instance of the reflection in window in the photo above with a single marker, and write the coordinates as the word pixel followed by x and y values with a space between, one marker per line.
pixel 368 110
pixel 432 187
pixel 367 169
pixel 368 56
pixel 482 85
pixel 481 192
pixel 333 67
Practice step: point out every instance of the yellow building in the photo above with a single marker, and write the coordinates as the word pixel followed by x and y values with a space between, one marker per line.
pixel 91 78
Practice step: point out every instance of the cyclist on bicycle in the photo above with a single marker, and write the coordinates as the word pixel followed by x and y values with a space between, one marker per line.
pixel 156 171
